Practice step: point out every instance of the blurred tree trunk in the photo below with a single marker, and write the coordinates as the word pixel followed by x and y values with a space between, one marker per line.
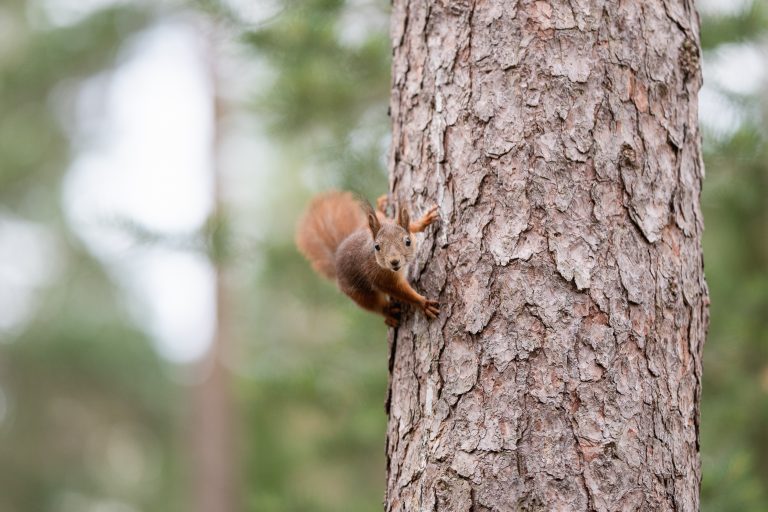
pixel 561 141
pixel 214 468
pixel 214 474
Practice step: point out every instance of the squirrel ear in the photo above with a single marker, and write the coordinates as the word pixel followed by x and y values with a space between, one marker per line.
pixel 370 214
pixel 403 218
pixel 373 223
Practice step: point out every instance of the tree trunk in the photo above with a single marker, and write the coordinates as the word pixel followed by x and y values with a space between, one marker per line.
pixel 560 140
pixel 214 461
pixel 214 452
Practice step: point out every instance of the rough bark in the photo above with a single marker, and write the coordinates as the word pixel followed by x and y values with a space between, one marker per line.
pixel 560 140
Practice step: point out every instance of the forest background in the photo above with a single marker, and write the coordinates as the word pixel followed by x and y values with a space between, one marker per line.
pixel 154 158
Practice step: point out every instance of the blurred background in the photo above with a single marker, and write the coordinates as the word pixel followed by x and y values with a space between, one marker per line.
pixel 163 347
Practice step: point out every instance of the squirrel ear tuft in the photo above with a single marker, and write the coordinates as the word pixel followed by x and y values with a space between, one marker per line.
pixel 370 214
pixel 373 220
pixel 403 218
pixel 373 223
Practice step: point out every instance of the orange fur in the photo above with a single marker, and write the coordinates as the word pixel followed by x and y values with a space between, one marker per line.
pixel 329 219
pixel 364 251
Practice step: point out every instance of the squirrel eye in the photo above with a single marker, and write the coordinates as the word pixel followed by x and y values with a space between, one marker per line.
pixel 408 242
pixel 377 247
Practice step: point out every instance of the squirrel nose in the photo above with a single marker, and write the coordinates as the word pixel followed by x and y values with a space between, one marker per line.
pixel 394 263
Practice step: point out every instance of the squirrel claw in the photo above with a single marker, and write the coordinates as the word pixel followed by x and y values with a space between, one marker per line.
pixel 431 308
pixel 426 220
pixel 432 214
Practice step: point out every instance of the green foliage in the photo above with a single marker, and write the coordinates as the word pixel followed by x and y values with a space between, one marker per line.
pixel 43 63
pixel 85 402
pixel 317 364
pixel 71 381
pixel 747 25
pixel 734 415
pixel 735 404
pixel 329 96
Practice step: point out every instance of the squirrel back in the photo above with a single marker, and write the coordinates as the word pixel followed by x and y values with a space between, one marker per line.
pixel 330 218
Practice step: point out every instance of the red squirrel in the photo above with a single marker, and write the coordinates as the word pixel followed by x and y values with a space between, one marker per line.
pixel 365 252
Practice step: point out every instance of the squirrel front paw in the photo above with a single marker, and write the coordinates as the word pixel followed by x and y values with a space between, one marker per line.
pixel 431 216
pixel 427 219
pixel 430 308
pixel 382 203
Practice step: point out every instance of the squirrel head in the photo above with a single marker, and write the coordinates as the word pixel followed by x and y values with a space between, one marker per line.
pixel 392 242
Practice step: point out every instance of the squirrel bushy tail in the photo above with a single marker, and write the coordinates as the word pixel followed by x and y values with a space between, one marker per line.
pixel 330 218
